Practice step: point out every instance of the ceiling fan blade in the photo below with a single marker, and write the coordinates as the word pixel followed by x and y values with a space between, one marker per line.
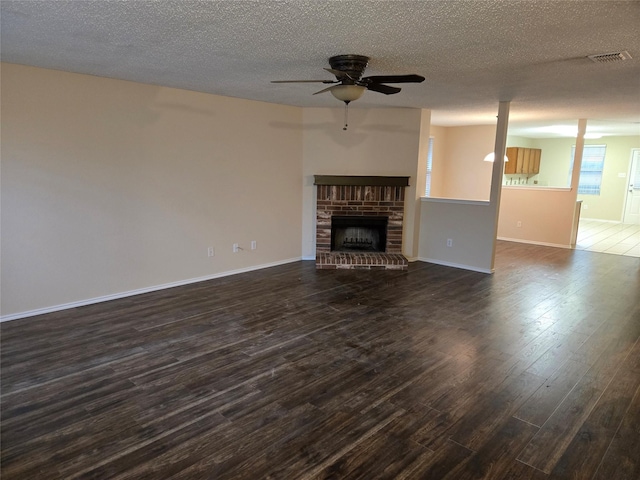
pixel 304 81
pixel 379 87
pixel 326 89
pixel 340 73
pixel 413 78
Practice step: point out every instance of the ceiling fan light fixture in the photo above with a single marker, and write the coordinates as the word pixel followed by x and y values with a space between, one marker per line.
pixel 490 157
pixel 347 93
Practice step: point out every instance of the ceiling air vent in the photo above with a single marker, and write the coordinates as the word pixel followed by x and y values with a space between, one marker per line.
pixel 610 57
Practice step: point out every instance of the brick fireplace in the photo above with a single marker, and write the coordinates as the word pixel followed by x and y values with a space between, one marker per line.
pixel 370 202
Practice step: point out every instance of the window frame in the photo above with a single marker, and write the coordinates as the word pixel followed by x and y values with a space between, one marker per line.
pixel 429 169
pixel 591 171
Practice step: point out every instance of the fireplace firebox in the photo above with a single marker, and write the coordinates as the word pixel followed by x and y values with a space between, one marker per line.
pixel 358 234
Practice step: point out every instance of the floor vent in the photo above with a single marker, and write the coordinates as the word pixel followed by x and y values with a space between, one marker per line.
pixel 610 57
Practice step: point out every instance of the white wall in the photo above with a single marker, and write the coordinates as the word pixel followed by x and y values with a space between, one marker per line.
pixel 379 142
pixel 111 186
pixel 438 160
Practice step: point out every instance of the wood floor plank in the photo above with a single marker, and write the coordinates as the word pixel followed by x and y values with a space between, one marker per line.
pixel 439 464
pixel 620 461
pixel 381 458
pixel 583 455
pixel 540 406
pixel 547 447
pixel 292 372
pixel 496 455
pixel 494 412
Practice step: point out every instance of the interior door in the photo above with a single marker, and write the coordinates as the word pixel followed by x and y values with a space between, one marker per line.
pixel 632 206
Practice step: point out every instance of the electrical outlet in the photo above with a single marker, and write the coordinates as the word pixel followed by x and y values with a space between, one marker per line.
pixel 519 224
pixel 235 248
pixel 210 252
pixel 254 244
pixel 449 242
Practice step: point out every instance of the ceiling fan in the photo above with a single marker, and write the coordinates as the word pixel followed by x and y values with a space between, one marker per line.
pixel 349 84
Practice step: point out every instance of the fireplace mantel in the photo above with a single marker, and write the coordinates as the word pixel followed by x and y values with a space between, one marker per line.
pixel 361 180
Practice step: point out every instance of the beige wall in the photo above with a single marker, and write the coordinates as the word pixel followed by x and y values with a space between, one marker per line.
pixel 111 186
pixel 556 160
pixel 517 141
pixel 461 232
pixel 470 225
pixel 378 142
pixel 546 215
pixel 537 215
pixel 458 167
pixel 609 205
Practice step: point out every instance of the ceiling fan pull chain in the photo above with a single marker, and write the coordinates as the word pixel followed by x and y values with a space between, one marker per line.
pixel 346 115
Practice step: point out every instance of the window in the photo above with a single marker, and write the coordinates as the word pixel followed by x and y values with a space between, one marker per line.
pixel 427 190
pixel 591 170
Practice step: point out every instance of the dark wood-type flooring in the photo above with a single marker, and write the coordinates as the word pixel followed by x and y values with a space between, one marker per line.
pixel 297 373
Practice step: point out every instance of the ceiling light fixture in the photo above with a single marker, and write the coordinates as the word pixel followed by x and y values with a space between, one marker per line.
pixel 558 130
pixel 490 157
pixel 347 94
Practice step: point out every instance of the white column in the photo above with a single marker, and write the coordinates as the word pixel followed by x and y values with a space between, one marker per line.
pixel 498 168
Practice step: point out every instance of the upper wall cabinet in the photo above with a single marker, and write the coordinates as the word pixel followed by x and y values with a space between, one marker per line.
pixel 525 161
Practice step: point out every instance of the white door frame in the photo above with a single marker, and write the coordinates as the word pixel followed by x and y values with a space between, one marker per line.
pixel 635 158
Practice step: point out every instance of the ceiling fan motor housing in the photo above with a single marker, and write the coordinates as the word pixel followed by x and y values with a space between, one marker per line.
pixel 351 65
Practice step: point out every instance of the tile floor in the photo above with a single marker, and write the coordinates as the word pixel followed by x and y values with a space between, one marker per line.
pixel 609 237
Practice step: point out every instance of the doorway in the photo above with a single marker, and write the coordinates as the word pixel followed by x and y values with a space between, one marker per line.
pixel 622 237
pixel 632 204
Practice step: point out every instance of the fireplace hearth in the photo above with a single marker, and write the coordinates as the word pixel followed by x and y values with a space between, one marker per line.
pixel 359 222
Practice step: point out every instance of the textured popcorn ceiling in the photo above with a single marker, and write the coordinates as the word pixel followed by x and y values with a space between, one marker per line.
pixel 473 53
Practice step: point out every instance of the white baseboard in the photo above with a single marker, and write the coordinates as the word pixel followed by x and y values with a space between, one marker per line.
pixel 309 257
pixel 130 293
pixel 531 242
pixel 600 220
pixel 456 265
